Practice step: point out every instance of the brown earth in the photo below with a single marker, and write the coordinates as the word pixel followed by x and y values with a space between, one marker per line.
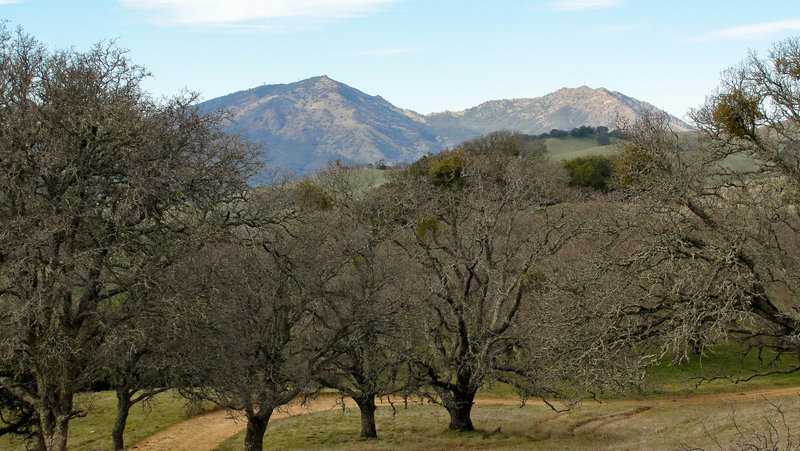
pixel 206 432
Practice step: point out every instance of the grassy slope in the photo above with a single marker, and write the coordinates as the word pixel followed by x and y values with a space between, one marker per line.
pixel 371 178
pixel 729 360
pixel 568 148
pixel 560 149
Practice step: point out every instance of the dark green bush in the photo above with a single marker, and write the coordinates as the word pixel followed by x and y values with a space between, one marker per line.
pixel 591 172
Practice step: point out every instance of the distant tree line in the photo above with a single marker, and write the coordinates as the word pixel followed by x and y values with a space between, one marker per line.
pixel 600 133
pixel 134 255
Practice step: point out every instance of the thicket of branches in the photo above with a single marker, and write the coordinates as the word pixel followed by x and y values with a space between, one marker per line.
pixel 134 255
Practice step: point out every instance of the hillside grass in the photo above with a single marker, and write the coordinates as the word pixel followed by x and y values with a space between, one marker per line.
pixel 371 178
pixel 569 147
pixel 721 369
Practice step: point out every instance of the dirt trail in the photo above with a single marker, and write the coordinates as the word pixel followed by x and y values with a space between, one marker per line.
pixel 206 432
pixel 601 421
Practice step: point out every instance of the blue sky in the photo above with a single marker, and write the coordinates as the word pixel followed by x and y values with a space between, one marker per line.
pixel 425 55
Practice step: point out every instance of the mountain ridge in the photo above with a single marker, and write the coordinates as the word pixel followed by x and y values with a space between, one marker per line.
pixel 563 109
pixel 305 124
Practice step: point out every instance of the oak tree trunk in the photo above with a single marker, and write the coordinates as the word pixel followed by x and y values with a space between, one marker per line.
pixel 256 427
pixel 367 406
pixel 123 407
pixel 460 410
pixel 54 429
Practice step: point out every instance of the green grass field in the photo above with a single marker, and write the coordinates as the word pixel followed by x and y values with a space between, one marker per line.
pixel 728 360
pixel 567 148
pixel 371 178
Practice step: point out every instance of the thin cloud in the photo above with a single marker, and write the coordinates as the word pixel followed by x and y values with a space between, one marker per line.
pixel 250 14
pixel 581 5
pixel 621 28
pixel 756 31
pixel 384 52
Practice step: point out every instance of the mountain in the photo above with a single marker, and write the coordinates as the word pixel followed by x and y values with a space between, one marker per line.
pixel 304 125
pixel 564 109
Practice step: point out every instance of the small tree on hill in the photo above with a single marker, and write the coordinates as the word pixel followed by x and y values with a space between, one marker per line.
pixel 602 136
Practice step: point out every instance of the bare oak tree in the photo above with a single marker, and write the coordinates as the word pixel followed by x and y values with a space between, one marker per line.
pixel 707 235
pixel 255 347
pixel 485 224
pixel 94 177
pixel 364 314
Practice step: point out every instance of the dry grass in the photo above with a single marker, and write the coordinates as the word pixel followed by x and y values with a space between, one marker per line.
pixel 666 423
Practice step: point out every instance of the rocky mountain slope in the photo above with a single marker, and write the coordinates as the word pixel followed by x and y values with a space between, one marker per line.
pixel 564 109
pixel 304 125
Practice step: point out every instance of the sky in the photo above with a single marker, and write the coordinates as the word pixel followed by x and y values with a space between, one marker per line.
pixel 425 55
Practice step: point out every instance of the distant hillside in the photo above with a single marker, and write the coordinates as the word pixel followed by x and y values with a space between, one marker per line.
pixel 304 125
pixel 564 109
pixel 558 149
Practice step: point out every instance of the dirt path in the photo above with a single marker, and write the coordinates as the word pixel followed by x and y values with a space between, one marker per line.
pixel 745 395
pixel 206 432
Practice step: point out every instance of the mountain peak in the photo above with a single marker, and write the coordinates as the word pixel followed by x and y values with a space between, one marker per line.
pixel 305 124
pixel 320 82
pixel 564 109
pixel 580 90
pixel 322 79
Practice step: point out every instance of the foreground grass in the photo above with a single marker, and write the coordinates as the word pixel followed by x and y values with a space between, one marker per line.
pixel 623 424
pixel 671 412
pixel 93 432
pixel 677 412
